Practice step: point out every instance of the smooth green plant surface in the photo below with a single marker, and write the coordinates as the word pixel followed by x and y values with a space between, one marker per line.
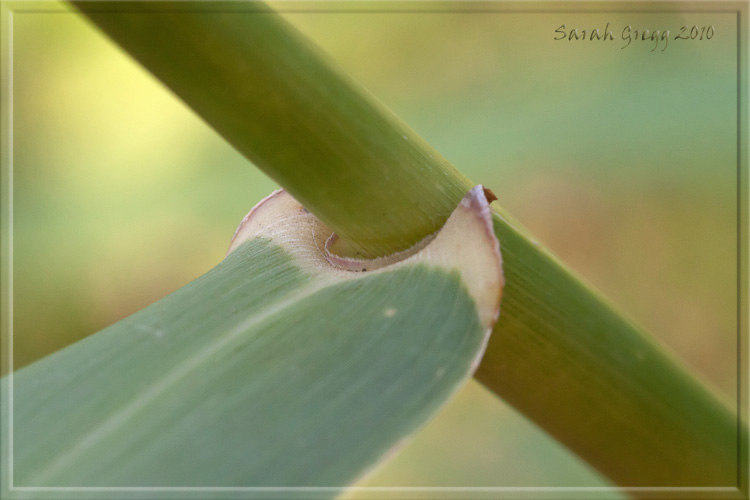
pixel 237 361
pixel 295 117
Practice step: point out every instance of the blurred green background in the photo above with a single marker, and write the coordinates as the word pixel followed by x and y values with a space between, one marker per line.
pixel 621 161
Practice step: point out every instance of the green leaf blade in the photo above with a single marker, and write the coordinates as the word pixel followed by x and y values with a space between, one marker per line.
pixel 266 371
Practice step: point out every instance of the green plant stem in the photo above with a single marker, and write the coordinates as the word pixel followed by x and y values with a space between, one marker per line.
pixel 560 353
pixel 311 128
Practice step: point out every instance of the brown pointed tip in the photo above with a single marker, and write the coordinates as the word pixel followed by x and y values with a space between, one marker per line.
pixel 489 195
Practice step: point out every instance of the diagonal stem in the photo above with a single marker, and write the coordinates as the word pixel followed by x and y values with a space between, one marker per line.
pixel 560 353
